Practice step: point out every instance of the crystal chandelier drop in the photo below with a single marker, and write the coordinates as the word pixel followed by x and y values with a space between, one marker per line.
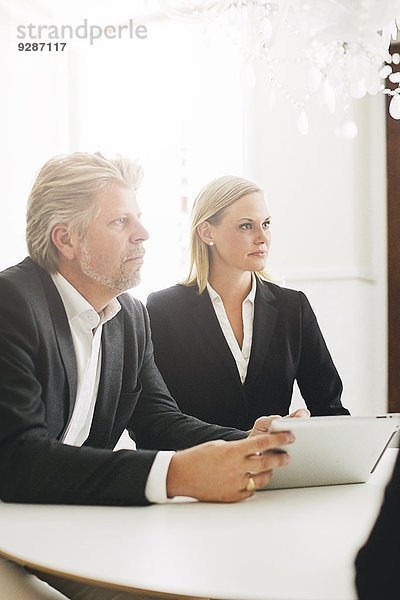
pixel 342 47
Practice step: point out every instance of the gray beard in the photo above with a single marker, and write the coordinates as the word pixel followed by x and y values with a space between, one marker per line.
pixel 119 283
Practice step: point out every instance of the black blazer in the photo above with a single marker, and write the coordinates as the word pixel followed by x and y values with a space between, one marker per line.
pixel 377 563
pixel 200 371
pixel 38 381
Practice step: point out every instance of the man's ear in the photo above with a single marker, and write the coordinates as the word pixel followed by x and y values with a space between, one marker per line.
pixel 62 239
pixel 205 233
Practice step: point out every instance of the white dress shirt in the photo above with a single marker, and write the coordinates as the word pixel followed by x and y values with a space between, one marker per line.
pixel 241 355
pixel 86 328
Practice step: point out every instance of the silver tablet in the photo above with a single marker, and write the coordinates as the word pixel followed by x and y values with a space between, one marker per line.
pixel 333 450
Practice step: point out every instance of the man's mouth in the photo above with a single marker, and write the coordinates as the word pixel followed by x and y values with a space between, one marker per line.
pixel 135 257
pixel 260 253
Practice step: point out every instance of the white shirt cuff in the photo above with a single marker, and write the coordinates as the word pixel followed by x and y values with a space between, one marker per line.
pixel 156 486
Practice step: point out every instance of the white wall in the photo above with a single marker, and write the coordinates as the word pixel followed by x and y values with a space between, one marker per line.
pixel 328 205
pixel 34 125
pixel 170 98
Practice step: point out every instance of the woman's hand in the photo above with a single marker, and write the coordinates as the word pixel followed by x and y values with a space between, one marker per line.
pixel 300 413
pixel 263 424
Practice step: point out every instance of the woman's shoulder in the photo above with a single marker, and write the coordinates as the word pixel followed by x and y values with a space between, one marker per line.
pixel 175 293
pixel 276 288
pixel 280 293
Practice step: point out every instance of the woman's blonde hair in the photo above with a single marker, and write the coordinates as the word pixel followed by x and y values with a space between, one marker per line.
pixel 210 205
pixel 64 192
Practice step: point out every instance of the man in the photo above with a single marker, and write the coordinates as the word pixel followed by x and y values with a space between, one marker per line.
pixel 377 561
pixel 76 365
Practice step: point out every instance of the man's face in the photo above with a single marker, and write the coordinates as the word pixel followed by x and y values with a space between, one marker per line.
pixel 111 254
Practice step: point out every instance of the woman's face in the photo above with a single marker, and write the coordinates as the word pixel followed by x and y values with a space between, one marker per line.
pixel 241 239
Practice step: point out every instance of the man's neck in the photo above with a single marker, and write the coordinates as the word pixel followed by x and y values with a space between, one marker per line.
pixel 98 295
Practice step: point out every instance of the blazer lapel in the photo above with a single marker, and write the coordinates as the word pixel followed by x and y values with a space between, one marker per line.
pixel 110 384
pixel 208 329
pixel 265 314
pixel 63 335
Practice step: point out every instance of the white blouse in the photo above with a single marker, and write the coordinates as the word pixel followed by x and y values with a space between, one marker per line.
pixel 241 355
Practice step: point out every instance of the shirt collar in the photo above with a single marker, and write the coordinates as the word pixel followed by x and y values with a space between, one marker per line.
pixel 250 296
pixel 77 307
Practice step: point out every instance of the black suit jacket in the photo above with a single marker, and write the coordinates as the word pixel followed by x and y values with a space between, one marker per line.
pixel 200 371
pixel 377 562
pixel 38 380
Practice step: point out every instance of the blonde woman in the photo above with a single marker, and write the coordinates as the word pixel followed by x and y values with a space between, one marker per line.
pixel 229 343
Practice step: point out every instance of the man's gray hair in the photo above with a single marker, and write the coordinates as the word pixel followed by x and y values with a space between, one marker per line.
pixel 64 192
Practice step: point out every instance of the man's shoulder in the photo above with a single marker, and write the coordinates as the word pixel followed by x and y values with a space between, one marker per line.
pixel 131 305
pixel 23 277
pixel 23 298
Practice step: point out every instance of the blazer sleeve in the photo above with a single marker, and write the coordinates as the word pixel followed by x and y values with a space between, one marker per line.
pixel 377 561
pixel 158 422
pixel 317 377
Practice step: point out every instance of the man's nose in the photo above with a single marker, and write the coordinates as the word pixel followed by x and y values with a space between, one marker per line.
pixel 139 233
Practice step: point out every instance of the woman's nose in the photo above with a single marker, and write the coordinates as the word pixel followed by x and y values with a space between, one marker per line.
pixel 262 237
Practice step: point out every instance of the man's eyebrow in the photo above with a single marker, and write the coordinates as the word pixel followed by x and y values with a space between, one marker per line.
pixel 126 213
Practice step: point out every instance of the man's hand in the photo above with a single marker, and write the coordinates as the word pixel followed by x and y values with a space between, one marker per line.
pixel 219 471
pixel 263 424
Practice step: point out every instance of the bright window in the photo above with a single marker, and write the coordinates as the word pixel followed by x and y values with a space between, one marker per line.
pixel 175 102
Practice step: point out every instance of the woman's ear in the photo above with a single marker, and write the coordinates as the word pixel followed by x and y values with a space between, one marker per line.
pixel 205 233
pixel 61 238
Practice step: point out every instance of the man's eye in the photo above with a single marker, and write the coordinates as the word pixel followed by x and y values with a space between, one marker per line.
pixel 120 221
pixel 245 226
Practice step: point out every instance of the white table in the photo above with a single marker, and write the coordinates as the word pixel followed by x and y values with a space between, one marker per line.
pixel 279 545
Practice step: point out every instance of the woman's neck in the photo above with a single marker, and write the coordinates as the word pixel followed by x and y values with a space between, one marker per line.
pixel 232 287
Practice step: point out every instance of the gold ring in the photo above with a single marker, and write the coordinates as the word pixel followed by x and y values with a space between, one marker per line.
pixel 251 485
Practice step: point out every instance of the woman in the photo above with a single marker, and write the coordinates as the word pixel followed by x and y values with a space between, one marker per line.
pixel 228 342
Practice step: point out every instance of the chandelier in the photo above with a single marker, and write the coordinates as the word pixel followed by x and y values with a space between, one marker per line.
pixel 342 48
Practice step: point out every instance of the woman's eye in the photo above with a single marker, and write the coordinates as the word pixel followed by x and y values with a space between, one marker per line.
pixel 266 224
pixel 245 226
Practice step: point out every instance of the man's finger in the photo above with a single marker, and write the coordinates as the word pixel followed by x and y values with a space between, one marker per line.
pixel 262 479
pixel 262 443
pixel 267 461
